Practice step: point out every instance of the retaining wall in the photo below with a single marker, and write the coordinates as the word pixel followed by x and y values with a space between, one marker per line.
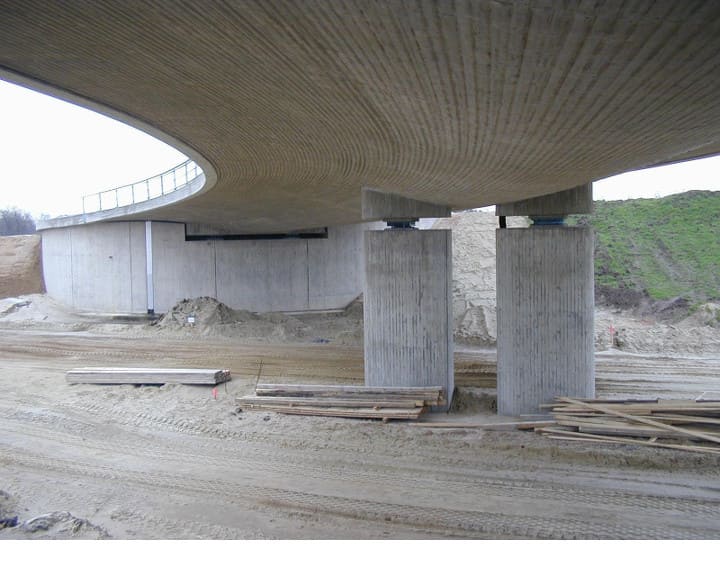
pixel 101 267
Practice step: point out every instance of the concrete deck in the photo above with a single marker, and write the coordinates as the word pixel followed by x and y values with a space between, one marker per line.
pixel 295 106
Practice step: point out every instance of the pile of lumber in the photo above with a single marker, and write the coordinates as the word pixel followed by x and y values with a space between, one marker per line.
pixel 146 376
pixel 344 400
pixel 692 425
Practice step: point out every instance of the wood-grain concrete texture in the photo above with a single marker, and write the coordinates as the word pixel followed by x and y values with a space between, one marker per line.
pixel 545 312
pixel 408 309
pixel 297 105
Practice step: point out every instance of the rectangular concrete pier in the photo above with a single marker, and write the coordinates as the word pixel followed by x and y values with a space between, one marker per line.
pixel 408 308
pixel 545 300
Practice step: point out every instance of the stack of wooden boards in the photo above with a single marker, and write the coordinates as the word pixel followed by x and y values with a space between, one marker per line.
pixel 344 400
pixel 692 425
pixel 146 376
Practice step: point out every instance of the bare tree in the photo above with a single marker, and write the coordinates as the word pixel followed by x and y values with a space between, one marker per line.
pixel 15 222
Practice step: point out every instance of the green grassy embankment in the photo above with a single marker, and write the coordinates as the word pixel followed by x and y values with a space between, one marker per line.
pixel 658 248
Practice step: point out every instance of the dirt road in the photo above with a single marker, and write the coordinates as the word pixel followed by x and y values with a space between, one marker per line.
pixel 173 462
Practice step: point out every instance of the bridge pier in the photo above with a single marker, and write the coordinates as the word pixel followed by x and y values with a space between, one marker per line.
pixel 407 296
pixel 545 302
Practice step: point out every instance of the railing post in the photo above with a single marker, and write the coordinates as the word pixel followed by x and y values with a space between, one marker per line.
pixel 117 202
pixel 132 193
pixel 186 173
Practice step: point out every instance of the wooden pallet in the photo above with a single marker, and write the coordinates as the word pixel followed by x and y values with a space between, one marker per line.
pixel 146 376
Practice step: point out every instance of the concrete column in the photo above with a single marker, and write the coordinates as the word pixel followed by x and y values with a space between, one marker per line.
pixel 545 302
pixel 408 308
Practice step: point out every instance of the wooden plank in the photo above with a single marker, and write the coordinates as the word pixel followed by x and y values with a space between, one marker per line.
pixel 598 422
pixel 118 375
pixel 573 410
pixel 344 396
pixel 620 401
pixel 267 388
pixel 328 402
pixel 644 420
pixel 606 425
pixel 584 437
pixel 607 401
pixel 638 431
pixel 692 448
pixel 709 396
pixel 645 410
pixel 522 425
pixel 662 405
pixel 682 419
pixel 430 395
pixel 366 413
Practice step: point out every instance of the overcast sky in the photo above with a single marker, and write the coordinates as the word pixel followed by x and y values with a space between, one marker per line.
pixel 52 153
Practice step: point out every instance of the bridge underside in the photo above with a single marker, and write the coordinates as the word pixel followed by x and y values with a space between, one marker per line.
pixel 298 110
pixel 295 106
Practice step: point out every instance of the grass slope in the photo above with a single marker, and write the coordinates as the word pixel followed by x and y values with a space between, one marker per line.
pixel 664 247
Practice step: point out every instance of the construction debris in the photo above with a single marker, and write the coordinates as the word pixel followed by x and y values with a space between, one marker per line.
pixel 344 400
pixel 692 425
pixel 146 376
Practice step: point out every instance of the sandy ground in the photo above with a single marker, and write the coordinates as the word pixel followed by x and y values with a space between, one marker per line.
pixel 20 269
pixel 174 462
pixel 88 461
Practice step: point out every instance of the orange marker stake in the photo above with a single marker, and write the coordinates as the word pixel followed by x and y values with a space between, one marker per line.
pixel 214 392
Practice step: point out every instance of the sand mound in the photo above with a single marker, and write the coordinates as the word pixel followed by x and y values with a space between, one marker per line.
pixel 650 335
pixel 202 313
pixel 706 315
pixel 474 301
pixel 208 316
pixel 20 265
pixel 39 310
pixel 474 275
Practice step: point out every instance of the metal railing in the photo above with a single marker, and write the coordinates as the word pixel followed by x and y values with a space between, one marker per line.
pixel 147 189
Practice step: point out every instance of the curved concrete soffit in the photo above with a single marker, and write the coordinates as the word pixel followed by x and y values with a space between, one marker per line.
pixel 202 184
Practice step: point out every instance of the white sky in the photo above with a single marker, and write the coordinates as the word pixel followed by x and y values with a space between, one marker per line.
pixel 52 153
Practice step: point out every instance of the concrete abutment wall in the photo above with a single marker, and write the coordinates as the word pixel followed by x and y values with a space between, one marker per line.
pixel 102 267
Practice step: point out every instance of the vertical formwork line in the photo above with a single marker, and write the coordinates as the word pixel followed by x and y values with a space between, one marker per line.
pixel 130 276
pixel 149 268
pixel 215 243
pixel 72 272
